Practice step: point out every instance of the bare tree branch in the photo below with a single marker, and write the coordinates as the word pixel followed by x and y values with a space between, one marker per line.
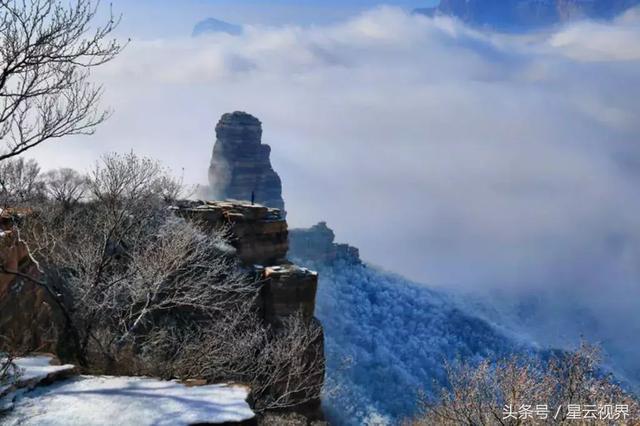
pixel 47 49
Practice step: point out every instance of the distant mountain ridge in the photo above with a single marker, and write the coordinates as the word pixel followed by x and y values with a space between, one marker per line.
pixel 514 15
pixel 212 25
pixel 386 338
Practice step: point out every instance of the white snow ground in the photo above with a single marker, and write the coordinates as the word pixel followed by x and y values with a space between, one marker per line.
pixel 88 400
pixel 38 367
pixel 106 400
pixel 31 371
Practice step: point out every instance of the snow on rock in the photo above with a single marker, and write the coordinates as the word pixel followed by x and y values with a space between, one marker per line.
pixel 40 367
pixel 104 400
pixel 32 371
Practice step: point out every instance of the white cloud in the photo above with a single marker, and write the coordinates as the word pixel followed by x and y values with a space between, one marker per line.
pixel 591 41
pixel 452 156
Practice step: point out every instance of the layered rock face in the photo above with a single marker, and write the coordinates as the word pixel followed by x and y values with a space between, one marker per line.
pixel 259 235
pixel 289 289
pixel 240 165
pixel 317 244
pixel 31 319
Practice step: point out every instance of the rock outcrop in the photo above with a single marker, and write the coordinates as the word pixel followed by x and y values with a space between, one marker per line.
pixel 289 289
pixel 240 165
pixel 317 244
pixel 260 237
pixel 31 319
pixel 259 234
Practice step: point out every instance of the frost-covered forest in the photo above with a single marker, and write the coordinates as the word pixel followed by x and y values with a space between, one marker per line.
pixel 387 338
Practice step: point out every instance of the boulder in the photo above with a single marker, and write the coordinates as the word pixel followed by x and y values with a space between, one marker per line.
pixel 288 289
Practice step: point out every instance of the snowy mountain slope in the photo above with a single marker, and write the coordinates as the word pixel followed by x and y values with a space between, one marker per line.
pixel 387 338
pixel 551 321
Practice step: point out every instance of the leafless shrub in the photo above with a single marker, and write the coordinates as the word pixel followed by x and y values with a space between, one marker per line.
pixel 20 182
pixel 147 292
pixel 283 367
pixel 174 189
pixel 480 394
pixel 9 372
pixel 47 48
pixel 126 182
pixel 291 366
pixel 225 350
pixel 288 419
pixel 125 263
pixel 65 186
pixel 123 183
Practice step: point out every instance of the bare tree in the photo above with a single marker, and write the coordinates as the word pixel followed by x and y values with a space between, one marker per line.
pixel 20 182
pixel 65 186
pixel 291 366
pixel 126 262
pixel 122 182
pixel 9 372
pixel 147 292
pixel 487 394
pixel 47 48
pixel 284 367
pixel 174 189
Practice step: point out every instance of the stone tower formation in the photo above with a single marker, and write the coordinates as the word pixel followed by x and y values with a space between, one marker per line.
pixel 240 165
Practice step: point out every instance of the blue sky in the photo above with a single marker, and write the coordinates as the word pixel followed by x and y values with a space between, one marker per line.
pixel 159 18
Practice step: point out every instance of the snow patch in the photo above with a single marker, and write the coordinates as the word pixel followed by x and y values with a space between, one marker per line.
pixel 30 372
pixel 39 367
pixel 104 400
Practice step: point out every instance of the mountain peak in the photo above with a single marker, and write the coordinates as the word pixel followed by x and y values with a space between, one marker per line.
pixel 517 15
pixel 213 25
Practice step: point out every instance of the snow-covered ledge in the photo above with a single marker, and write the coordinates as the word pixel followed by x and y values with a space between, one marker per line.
pixel 32 371
pixel 108 400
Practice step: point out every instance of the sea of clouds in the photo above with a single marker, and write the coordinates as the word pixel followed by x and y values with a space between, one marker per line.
pixel 458 158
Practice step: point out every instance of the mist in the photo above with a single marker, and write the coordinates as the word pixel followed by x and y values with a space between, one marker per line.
pixel 460 159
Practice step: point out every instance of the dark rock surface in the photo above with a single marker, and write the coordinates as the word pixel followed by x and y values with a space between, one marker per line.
pixel 258 233
pixel 317 244
pixel 514 15
pixel 31 318
pixel 289 289
pixel 240 165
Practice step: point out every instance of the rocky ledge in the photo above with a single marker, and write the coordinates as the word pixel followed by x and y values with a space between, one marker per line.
pixel 260 236
pixel 258 233
pixel 316 244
